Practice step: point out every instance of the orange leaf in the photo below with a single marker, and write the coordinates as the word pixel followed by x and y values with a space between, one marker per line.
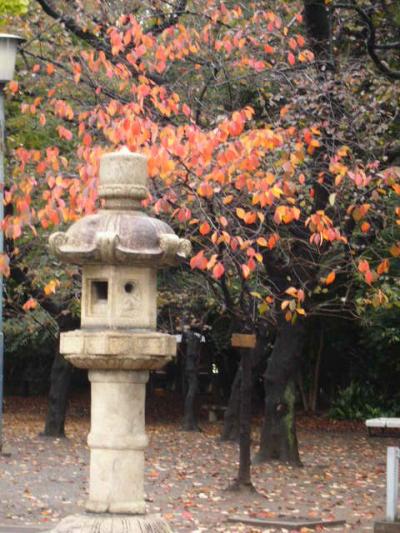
pixel 223 221
pixel 64 133
pixel 245 271
pixel 288 316
pixel 383 267
pixel 365 227
pixel 228 199
pixel 261 241
pixel 205 228
pixel 4 265
pixel 363 266
pixel 330 278
pixel 369 277
pixel 199 261
pixel 29 304
pixel 13 86
pixel 250 217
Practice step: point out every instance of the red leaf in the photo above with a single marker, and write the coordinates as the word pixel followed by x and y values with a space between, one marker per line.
pixel 199 261
pixel 218 270
pixel 291 58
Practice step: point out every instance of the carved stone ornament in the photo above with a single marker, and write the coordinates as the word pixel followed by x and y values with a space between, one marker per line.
pixel 121 233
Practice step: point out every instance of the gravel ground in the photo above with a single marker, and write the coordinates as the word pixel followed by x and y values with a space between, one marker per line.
pixel 187 475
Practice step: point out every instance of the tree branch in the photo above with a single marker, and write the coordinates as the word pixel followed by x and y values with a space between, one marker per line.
pixel 371 41
pixel 179 10
pixel 91 39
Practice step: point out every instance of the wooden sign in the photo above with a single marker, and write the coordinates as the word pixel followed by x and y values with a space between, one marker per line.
pixel 243 340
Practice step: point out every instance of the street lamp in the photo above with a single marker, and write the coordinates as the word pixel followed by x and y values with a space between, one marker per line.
pixel 8 52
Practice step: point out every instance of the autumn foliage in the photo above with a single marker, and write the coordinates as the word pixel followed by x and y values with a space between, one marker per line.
pixel 272 231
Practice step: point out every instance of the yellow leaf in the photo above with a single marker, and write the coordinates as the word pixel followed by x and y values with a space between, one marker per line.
pixel 51 287
pixel 395 250
pixel 228 199
pixel 241 213
pixel 291 291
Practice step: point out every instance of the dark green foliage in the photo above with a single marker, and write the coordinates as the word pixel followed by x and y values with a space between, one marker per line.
pixel 29 352
pixel 358 402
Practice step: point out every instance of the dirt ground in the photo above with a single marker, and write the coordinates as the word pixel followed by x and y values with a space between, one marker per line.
pixel 187 474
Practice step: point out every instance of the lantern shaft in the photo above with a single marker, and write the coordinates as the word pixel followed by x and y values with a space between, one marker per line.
pixel 117 441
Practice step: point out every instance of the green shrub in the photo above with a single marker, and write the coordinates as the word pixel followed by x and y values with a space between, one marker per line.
pixel 358 402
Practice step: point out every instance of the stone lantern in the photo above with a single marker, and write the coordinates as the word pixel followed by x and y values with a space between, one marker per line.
pixel 120 248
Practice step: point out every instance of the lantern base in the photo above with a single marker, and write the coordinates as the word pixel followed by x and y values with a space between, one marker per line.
pixel 107 523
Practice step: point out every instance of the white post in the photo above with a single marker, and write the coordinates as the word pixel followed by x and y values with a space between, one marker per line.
pixel 392 482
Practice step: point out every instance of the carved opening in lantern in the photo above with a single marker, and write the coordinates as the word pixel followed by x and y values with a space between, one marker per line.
pixel 99 295
pixel 129 287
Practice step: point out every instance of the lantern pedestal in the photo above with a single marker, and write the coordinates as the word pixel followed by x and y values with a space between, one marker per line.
pixel 118 362
pixel 107 523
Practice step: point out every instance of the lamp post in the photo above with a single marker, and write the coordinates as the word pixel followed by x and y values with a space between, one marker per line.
pixel 8 52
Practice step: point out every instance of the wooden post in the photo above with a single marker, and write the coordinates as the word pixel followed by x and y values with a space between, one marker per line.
pixel 244 343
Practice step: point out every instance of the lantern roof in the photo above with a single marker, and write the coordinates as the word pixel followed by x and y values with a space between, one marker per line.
pixel 121 232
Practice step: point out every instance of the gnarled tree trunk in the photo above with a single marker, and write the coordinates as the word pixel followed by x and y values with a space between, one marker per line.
pixel 278 435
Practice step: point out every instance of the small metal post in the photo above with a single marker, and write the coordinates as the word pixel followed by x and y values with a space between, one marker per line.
pixel 2 159
pixel 392 482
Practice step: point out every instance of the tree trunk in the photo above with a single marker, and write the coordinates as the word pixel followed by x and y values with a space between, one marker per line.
pixel 278 435
pixel 317 370
pixel 300 384
pixel 192 356
pixel 60 380
pixel 318 26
